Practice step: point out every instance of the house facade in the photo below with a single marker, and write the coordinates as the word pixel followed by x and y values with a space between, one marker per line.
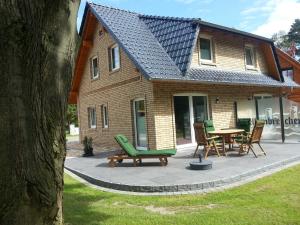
pixel 150 78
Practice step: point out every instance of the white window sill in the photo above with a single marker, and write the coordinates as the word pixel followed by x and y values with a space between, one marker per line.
pixel 251 68
pixel 93 127
pixel 207 63
pixel 95 78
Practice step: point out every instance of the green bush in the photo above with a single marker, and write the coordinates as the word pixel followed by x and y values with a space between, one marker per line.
pixel 88 146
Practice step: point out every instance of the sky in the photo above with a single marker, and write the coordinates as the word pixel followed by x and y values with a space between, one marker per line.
pixel 261 17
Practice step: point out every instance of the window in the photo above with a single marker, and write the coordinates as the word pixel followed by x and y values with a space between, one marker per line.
pixel 288 73
pixel 104 116
pixel 94 68
pixel 206 49
pixel 114 58
pixel 249 57
pixel 92 117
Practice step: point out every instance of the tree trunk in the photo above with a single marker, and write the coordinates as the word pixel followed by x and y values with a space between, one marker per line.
pixel 37 49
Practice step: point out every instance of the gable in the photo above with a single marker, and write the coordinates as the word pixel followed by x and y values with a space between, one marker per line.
pixel 176 35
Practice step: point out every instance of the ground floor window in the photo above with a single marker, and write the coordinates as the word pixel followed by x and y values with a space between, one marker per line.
pixel 140 124
pixel 92 117
pixel 104 113
pixel 188 109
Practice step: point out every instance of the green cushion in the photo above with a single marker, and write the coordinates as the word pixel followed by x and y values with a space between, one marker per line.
pixel 126 145
pixel 209 125
pixel 157 152
pixel 131 151
pixel 244 123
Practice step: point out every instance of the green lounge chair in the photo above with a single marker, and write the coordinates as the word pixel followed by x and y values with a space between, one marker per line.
pixel 136 155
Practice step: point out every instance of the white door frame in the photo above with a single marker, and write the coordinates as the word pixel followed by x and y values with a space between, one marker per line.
pixel 191 109
pixel 135 125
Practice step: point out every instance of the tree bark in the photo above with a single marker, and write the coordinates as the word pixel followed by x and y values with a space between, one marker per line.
pixel 38 41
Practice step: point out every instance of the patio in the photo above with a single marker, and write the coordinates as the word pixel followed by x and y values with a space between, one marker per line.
pixel 176 176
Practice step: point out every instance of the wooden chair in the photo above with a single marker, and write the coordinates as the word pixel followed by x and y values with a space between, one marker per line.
pixel 209 143
pixel 246 143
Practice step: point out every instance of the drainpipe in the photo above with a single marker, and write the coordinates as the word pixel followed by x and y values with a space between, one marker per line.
pixel 281 119
pixel 256 108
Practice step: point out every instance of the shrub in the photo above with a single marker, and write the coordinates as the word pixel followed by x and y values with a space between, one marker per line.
pixel 88 146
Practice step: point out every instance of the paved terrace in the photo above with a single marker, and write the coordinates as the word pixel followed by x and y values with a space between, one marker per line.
pixel 176 176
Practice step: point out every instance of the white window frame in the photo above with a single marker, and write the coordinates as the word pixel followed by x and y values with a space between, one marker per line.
pixel 90 110
pixel 98 70
pixel 104 111
pixel 251 47
pixel 191 109
pixel 112 59
pixel 135 124
pixel 203 61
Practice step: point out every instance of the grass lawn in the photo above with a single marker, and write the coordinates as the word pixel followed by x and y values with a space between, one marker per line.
pixel 271 200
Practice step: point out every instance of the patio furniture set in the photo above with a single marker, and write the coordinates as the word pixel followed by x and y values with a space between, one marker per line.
pixel 216 140
pixel 212 140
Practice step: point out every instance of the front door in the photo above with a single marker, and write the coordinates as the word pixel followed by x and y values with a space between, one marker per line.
pixel 188 109
pixel 140 124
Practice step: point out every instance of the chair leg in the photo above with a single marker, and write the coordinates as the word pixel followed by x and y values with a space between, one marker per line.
pixel 196 151
pixel 217 150
pixel 134 162
pixel 261 149
pixel 206 150
pixel 250 147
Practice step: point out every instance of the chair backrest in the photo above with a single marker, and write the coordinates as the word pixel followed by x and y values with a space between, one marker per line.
pixel 209 125
pixel 200 133
pixel 126 145
pixel 257 131
pixel 244 123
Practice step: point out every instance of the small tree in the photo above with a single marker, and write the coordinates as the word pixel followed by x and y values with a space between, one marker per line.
pixel 72 116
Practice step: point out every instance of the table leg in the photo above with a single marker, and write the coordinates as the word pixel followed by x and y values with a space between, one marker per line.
pixel 223 140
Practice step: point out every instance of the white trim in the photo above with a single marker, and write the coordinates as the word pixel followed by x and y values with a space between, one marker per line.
pixel 191 111
pixel 112 59
pixel 135 125
pixel 93 75
pixel 206 61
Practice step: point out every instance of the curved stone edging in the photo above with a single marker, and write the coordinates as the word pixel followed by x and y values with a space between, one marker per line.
pixel 183 187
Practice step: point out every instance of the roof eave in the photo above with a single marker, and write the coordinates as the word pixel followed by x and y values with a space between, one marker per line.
pixel 219 83
pixel 232 30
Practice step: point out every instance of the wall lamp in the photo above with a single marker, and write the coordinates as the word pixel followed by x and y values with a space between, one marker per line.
pixel 217 100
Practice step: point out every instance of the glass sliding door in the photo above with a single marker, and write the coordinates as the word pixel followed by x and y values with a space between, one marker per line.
pixel 188 109
pixel 140 124
pixel 200 108
pixel 182 120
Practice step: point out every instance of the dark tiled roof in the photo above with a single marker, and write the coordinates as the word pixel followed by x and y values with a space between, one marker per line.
pixel 137 41
pixel 176 35
pixel 161 47
pixel 207 75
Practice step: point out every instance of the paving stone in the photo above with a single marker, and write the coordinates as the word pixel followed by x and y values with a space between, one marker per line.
pixel 177 178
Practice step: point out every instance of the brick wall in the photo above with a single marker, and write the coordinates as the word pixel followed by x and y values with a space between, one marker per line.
pixel 222 113
pixel 228 52
pixel 117 90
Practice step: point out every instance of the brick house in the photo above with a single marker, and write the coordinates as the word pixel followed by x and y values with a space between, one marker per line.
pixel 151 77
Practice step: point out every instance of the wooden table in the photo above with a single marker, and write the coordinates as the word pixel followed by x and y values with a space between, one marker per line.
pixel 226 133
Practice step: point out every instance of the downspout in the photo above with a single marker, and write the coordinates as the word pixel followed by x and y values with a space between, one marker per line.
pixel 280 97
pixel 281 119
